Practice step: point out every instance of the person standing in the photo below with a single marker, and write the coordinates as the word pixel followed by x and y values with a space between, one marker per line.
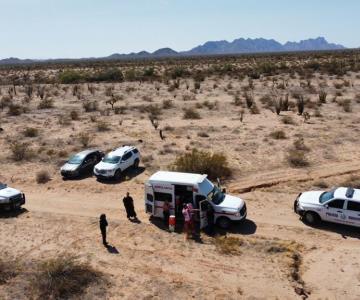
pixel 103 224
pixel 187 220
pixel 166 213
pixel 210 214
pixel 129 206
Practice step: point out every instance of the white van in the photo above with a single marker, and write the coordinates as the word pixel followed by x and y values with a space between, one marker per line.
pixel 178 188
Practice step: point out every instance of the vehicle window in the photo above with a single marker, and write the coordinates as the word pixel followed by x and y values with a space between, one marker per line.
pixel 136 151
pixel 337 204
pixel 163 196
pixel 216 196
pixel 326 196
pixel 2 186
pixel 75 160
pixel 352 205
pixel 150 197
pixel 126 156
pixel 111 159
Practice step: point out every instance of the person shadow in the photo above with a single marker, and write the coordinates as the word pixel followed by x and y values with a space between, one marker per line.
pixel 112 249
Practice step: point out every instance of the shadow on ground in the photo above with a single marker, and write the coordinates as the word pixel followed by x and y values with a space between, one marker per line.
pixel 128 174
pixel 12 214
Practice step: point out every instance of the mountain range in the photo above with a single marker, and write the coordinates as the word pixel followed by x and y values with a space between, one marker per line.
pixel 238 46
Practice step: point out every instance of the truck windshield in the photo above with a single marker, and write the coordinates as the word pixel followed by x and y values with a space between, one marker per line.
pixel 75 160
pixel 2 186
pixel 216 196
pixel 326 196
pixel 111 159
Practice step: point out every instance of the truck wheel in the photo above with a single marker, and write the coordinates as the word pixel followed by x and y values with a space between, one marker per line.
pixel 117 175
pixel 311 218
pixel 136 164
pixel 223 222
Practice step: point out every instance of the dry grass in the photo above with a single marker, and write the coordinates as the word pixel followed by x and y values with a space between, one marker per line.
pixel 63 277
pixel 43 177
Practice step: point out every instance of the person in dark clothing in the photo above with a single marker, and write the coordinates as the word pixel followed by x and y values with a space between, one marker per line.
pixel 210 214
pixel 166 213
pixel 129 206
pixel 103 225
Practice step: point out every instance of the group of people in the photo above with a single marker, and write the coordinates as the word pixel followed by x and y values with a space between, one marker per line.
pixel 188 212
pixel 130 213
pixel 185 210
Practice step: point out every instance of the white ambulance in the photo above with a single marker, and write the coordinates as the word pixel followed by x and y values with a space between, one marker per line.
pixel 178 188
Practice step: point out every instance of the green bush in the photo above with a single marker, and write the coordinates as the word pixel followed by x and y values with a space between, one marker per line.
pixel 70 76
pixel 31 132
pixel 215 165
pixel 108 75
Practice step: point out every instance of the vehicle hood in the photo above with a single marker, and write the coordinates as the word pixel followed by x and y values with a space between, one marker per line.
pixel 69 167
pixel 8 192
pixel 231 203
pixel 105 166
pixel 310 197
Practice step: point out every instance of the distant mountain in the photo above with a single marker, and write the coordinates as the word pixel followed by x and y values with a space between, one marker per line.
pixel 262 45
pixel 238 46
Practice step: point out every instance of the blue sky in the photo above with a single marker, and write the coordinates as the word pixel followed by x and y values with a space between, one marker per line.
pixel 84 28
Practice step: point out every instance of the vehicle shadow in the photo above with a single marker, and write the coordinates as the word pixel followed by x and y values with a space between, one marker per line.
pixel 79 178
pixel 128 175
pixel 344 230
pixel 12 214
pixel 245 227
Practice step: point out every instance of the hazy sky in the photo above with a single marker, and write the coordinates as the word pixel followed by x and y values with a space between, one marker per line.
pixel 84 28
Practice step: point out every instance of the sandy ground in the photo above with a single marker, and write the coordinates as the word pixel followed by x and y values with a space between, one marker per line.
pixel 147 262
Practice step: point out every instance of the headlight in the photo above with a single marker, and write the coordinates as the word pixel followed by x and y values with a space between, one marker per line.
pixel 238 214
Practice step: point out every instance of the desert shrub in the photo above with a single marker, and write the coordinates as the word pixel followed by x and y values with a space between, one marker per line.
pixel 237 100
pixel 288 120
pixel 300 104
pixel 120 110
pixel 46 103
pixel 85 139
pixel 5 101
pixel 31 132
pixel 154 111
pixel 254 109
pixel 167 104
pixel 20 151
pixel 297 158
pixel 278 135
pixel 90 106
pixel 108 75
pixel 346 105
pixel 228 245
pixel 70 76
pixel 197 85
pixel 8 270
pixel 63 277
pixel 15 109
pixel 249 98
pixel 191 114
pixel 322 96
pixel 42 177
pixel 74 115
pixel 209 105
pixel 102 126
pixel 299 144
pixel 215 165
pixel 352 181
pixel 64 120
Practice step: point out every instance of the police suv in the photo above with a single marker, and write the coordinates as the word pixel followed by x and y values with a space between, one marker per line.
pixel 340 205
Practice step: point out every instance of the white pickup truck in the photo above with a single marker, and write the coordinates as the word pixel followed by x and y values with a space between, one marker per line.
pixel 10 199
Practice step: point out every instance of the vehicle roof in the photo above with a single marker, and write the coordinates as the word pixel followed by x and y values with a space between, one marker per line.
pixel 86 152
pixel 341 194
pixel 121 150
pixel 178 177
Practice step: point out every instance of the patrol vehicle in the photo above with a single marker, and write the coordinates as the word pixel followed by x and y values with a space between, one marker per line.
pixel 10 198
pixel 339 205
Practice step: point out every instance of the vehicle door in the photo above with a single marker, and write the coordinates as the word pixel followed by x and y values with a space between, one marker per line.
pixel 353 213
pixel 149 199
pixel 334 211
pixel 163 192
pixel 203 213
pixel 126 161
pixel 86 164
